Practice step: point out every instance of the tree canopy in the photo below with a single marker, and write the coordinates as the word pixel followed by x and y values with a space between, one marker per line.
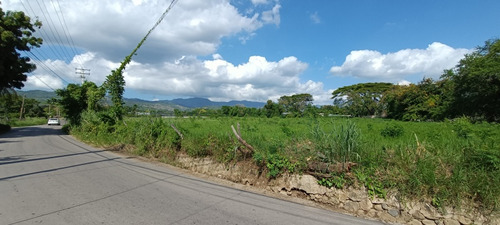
pixel 296 104
pixel 16 34
pixel 75 99
pixel 361 99
pixel 476 82
pixel 427 100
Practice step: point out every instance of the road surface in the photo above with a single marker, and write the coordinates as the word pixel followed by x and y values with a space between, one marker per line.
pixel 47 177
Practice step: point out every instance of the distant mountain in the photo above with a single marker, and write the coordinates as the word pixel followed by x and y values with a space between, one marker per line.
pixel 157 105
pixel 41 96
pixel 203 102
pixel 169 105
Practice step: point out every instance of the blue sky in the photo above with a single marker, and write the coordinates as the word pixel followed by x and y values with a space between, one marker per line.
pixel 258 49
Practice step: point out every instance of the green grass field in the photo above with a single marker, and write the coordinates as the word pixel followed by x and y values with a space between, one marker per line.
pixel 28 122
pixel 452 162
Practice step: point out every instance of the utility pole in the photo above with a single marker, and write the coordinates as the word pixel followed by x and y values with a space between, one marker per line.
pixel 22 109
pixel 82 73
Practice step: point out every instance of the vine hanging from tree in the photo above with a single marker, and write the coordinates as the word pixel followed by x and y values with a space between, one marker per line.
pixel 115 82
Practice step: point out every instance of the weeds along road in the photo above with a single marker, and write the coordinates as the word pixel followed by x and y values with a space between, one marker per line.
pixel 47 177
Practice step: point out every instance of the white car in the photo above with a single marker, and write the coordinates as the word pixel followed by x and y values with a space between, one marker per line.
pixel 53 121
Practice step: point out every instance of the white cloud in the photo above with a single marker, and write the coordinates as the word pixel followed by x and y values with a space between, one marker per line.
pixel 315 18
pixel 429 62
pixel 169 64
pixel 404 83
pixel 44 82
pixel 272 16
pixel 113 28
pixel 255 80
pixel 261 2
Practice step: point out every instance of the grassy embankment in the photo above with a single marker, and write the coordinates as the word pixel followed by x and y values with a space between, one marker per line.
pixel 5 126
pixel 28 122
pixel 442 162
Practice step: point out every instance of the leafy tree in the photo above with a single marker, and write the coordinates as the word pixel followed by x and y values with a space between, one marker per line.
pixel 11 103
pixel 361 99
pixel 178 113
pixel 330 109
pixel 272 109
pixel 427 100
pixel 296 104
pixel 476 81
pixel 7 101
pixel 75 99
pixel 16 30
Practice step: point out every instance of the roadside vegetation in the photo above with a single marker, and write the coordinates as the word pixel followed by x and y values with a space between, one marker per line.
pixel 446 163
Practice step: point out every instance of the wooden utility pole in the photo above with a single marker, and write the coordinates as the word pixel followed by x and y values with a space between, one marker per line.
pixel 22 109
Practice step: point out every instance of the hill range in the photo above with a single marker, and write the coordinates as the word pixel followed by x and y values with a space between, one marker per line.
pixel 169 105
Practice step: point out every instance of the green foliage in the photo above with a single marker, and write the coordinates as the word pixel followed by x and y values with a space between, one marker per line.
pixel 428 161
pixel 115 85
pixel 476 81
pixel 392 130
pixel 361 99
pixel 30 121
pixel 428 100
pixel 462 127
pixel 75 99
pixel 277 164
pixel 295 104
pixel 272 109
pixel 337 181
pixel 338 145
pixel 16 30
pixel 374 186
pixel 66 128
pixel 10 105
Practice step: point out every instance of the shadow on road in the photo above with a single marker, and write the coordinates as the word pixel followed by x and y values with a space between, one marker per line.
pixel 20 159
pixel 56 169
pixel 33 131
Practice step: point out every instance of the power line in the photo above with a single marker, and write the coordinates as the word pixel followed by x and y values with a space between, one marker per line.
pixel 69 39
pixel 53 30
pixel 52 36
pixel 43 33
pixel 47 67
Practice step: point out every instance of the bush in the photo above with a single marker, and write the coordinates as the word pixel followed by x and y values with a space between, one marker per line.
pixel 392 130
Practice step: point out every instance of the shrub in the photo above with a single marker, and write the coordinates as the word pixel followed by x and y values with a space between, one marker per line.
pixel 392 130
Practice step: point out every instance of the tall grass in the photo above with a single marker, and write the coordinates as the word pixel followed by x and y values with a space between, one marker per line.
pixel 447 162
pixel 28 122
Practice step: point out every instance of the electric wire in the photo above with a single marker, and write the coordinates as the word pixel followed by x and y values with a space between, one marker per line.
pixel 63 46
pixel 69 39
pixel 53 36
pixel 42 63
pixel 53 30
pixel 43 33
pixel 54 69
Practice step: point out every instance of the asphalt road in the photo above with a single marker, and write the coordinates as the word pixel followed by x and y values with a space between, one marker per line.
pixel 47 177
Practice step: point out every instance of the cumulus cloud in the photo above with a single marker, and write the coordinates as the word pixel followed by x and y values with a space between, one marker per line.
pixel 44 82
pixel 170 62
pixel 113 28
pixel 429 62
pixel 256 80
